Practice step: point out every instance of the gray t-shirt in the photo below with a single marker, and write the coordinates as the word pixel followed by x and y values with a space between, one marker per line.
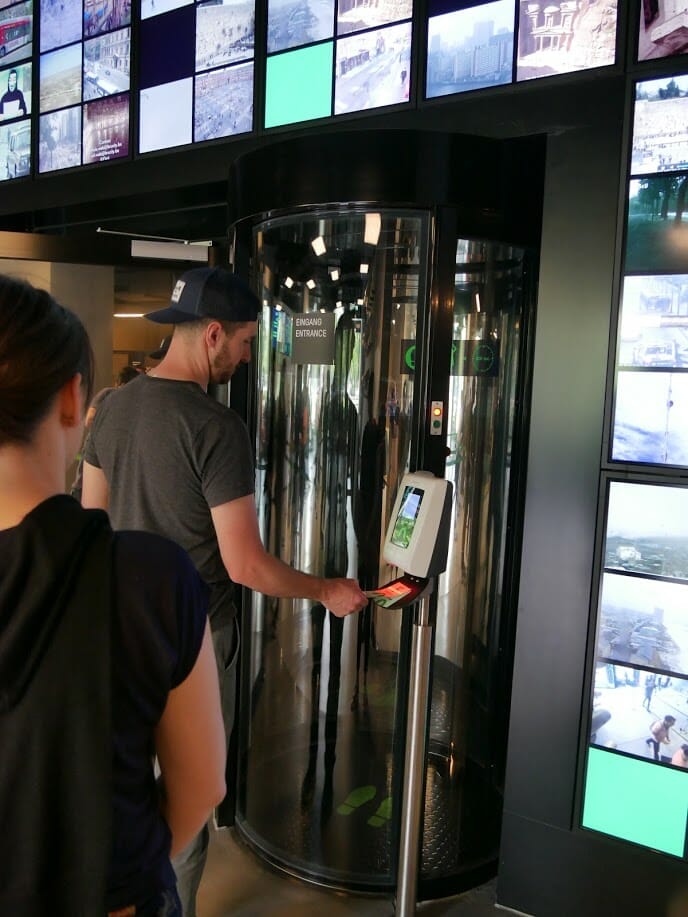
pixel 169 453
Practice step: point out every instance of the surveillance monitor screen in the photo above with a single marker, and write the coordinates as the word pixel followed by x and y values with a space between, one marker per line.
pixel 15 91
pixel 470 46
pixel 373 69
pixel 564 37
pixel 15 149
pixel 659 142
pixel 407 517
pixel 635 786
pixel 16 32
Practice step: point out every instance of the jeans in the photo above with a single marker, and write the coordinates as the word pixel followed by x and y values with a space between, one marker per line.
pixel 189 864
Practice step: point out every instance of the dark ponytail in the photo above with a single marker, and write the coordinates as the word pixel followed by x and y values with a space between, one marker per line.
pixel 42 346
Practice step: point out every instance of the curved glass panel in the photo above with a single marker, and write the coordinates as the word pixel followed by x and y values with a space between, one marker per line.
pixel 468 713
pixel 341 294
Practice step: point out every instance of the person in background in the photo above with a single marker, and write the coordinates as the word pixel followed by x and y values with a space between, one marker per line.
pixel 165 457
pixel 105 658
pixel 680 757
pixel 660 734
pixel 158 354
pixel 126 374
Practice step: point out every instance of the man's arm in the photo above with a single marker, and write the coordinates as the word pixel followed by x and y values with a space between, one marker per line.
pixel 249 564
pixel 95 493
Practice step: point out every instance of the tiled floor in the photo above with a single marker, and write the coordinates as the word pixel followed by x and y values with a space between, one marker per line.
pixel 237 884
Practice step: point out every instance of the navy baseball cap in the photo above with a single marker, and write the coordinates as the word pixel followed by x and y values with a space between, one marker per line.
pixel 209 292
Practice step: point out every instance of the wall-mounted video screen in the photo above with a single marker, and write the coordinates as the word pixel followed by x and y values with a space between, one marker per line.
pixel 651 416
pixel 661 106
pixel 292 23
pixel 637 731
pixel 644 622
pixel 15 91
pixel 657 230
pixel 564 37
pixel 16 32
pixel 204 90
pixel 363 51
pixel 15 149
pixel 653 322
pixel 373 69
pixel 16 43
pixel 84 61
pixel 469 46
pixel 663 30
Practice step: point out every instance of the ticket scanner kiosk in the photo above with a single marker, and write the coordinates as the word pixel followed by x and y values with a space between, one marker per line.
pixel 416 541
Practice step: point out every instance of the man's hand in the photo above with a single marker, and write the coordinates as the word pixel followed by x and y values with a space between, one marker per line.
pixel 343 596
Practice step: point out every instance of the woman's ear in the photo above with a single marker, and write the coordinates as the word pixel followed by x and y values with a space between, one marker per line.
pixel 71 402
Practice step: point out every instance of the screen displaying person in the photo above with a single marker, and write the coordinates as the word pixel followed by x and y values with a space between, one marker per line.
pixel 12 102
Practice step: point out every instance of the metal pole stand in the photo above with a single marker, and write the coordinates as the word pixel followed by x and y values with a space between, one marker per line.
pixel 414 766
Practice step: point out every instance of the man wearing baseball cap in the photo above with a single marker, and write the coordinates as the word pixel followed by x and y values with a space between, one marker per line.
pixel 164 457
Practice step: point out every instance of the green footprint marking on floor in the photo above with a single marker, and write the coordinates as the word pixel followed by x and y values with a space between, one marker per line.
pixel 356 798
pixel 383 814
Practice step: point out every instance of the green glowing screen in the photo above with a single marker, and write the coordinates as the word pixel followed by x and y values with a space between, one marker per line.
pixel 298 85
pixel 637 801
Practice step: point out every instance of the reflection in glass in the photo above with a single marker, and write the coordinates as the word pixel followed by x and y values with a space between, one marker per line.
pixel 16 139
pixel 334 417
pixel 225 32
pixel 654 311
pixel 59 140
pixel 60 78
pixel 353 16
pixel 465 715
pixel 657 233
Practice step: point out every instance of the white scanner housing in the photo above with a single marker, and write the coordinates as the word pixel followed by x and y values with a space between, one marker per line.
pixel 417 537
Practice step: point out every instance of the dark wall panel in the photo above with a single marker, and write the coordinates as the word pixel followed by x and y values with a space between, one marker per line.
pixel 571 347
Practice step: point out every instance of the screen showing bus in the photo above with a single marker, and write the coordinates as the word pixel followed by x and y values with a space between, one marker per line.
pixel 407 517
pixel 16 32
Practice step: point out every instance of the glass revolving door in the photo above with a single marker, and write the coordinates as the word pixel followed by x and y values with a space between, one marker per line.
pixel 344 301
